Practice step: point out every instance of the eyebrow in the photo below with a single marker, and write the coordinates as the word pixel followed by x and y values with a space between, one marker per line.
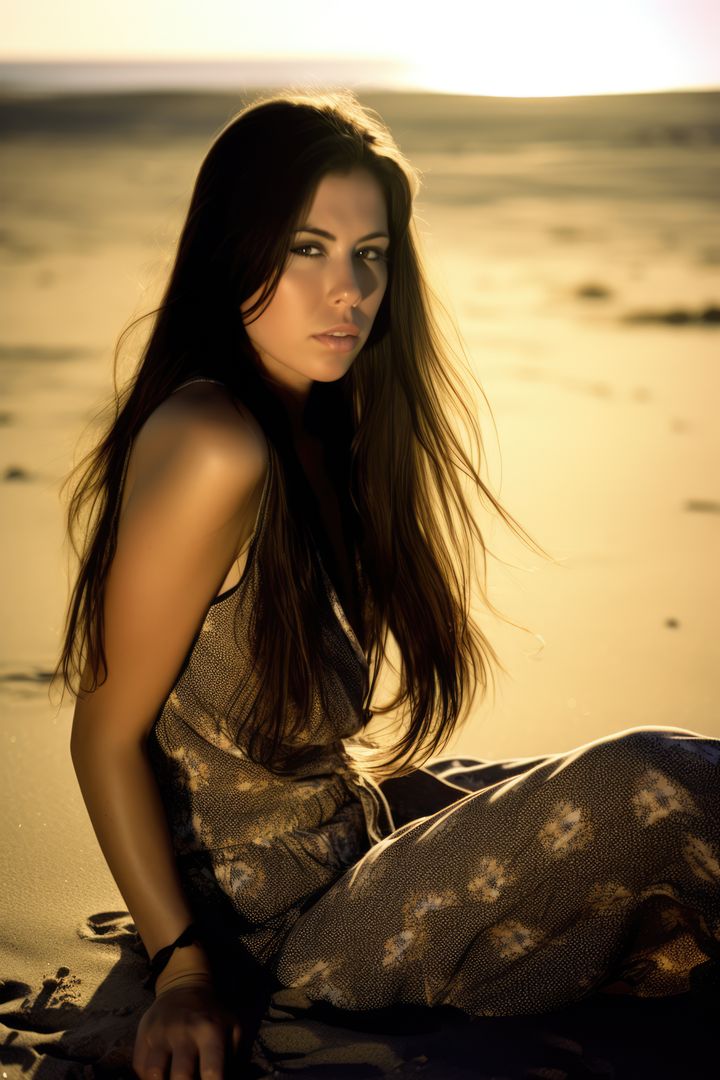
pixel 329 236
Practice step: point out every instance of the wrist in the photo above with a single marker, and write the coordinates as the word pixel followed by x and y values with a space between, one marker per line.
pixel 186 954
pixel 186 980
pixel 189 958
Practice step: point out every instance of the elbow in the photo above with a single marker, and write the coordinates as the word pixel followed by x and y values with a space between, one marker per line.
pixel 93 740
pixel 78 747
pixel 85 726
pixel 75 739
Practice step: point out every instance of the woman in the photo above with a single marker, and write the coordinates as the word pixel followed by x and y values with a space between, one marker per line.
pixel 264 514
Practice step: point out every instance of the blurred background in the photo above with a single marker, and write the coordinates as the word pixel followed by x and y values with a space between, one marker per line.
pixel 569 221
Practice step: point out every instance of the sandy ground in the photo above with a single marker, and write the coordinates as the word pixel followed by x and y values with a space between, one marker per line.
pixel 602 439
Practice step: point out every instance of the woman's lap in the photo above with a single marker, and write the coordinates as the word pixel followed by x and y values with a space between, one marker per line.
pixel 476 773
pixel 521 895
pixel 445 780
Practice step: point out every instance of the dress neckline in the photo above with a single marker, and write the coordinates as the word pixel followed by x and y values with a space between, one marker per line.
pixel 338 608
pixel 330 590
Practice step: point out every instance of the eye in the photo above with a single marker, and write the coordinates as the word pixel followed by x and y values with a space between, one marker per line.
pixel 379 255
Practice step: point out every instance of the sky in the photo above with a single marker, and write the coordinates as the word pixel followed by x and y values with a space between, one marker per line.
pixel 497 47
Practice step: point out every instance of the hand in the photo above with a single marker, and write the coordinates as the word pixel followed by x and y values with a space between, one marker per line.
pixel 186 1022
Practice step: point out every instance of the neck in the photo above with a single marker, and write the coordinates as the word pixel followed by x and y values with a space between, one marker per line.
pixel 294 404
pixel 296 409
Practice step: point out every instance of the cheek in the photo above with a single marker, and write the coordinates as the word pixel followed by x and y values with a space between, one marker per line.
pixel 278 327
pixel 297 286
pixel 290 303
pixel 276 312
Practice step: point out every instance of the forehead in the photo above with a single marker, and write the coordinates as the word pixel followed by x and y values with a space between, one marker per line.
pixel 355 197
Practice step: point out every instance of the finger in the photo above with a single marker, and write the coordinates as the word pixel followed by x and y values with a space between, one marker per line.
pixel 152 1068
pixel 237 1033
pixel 184 1060
pixel 149 1062
pixel 212 1060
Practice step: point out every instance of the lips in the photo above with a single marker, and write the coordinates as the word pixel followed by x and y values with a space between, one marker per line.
pixel 337 344
pixel 341 328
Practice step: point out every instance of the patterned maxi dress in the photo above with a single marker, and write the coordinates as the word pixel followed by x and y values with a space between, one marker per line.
pixel 545 880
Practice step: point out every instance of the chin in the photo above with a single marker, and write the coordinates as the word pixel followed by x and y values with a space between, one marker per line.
pixel 332 376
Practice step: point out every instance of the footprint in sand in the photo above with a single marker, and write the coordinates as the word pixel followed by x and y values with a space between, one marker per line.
pixel 108 926
pixel 62 1021
pixel 53 1008
pixel 13 990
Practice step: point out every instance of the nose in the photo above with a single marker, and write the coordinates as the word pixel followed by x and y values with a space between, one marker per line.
pixel 345 284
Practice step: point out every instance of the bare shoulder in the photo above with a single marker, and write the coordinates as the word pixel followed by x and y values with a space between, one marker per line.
pixel 201 426
pixel 195 465
pixel 207 412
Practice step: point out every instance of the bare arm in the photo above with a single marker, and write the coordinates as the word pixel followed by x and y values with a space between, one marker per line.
pixel 176 540
pixel 123 802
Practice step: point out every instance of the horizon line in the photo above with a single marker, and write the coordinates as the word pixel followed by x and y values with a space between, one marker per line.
pixel 413 85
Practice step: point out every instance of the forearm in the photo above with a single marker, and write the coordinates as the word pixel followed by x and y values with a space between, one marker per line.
pixel 127 814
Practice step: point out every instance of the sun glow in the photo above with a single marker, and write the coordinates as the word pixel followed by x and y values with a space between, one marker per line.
pixel 557 48
pixel 510 48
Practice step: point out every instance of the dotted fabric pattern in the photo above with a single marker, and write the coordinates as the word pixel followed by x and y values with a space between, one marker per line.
pixel 595 868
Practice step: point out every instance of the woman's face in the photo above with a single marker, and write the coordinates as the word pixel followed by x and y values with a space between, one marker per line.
pixel 326 282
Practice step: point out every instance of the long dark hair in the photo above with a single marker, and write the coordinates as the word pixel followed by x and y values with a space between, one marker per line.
pixel 388 422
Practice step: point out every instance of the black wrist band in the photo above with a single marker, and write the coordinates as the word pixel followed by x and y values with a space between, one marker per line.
pixel 189 936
